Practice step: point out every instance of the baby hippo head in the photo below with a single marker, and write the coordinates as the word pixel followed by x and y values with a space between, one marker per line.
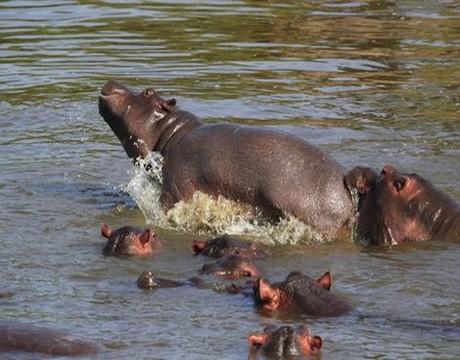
pixel 285 341
pixel 131 116
pixel 129 240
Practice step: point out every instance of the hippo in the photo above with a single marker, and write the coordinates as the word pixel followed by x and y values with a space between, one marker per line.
pixel 299 293
pixel 396 207
pixel 276 172
pixel 285 341
pixel 148 281
pixel 227 245
pixel 130 240
pixel 21 337
pixel 232 266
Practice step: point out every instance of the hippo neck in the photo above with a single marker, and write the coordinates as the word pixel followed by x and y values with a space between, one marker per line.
pixel 172 128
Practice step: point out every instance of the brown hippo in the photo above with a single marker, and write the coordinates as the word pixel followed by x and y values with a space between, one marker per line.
pixel 227 245
pixel 148 281
pixel 232 266
pixel 275 171
pixel 285 341
pixel 396 207
pixel 300 293
pixel 130 240
pixel 20 337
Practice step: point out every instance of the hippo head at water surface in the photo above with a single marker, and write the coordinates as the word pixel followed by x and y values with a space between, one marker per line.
pixel 130 240
pixel 396 207
pixel 285 341
pixel 232 266
pixel 299 293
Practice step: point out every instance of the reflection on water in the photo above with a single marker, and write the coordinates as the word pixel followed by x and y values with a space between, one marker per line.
pixel 371 82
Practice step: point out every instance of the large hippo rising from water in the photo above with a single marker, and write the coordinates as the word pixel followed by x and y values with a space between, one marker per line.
pixel 272 170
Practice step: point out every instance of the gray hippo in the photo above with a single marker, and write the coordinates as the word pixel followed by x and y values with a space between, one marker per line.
pixel 396 207
pixel 227 245
pixel 20 337
pixel 275 171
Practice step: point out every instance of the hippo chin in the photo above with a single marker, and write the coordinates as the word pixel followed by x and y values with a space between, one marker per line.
pixel 396 207
pixel 276 172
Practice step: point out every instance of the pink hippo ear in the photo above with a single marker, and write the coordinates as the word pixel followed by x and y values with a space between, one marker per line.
pixel 325 281
pixel 256 341
pixel 316 343
pixel 105 231
pixel 168 105
pixel 265 290
pixel 146 236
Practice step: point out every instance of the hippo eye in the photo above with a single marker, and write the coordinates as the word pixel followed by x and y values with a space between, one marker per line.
pixel 148 92
pixel 399 184
pixel 246 274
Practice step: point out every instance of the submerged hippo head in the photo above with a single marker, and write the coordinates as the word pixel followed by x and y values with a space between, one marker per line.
pixel 285 341
pixel 301 294
pixel 227 245
pixel 133 117
pixel 397 207
pixel 129 240
pixel 232 266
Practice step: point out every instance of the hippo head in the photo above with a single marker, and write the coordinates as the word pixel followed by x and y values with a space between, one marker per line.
pixel 132 116
pixel 285 341
pixel 129 240
pixel 147 280
pixel 233 266
pixel 280 296
pixel 397 207
pixel 227 245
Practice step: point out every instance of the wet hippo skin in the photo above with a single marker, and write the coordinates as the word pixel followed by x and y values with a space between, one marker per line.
pixel 20 337
pixel 285 341
pixel 396 207
pixel 275 171
pixel 299 293
pixel 147 280
pixel 232 266
pixel 130 240
pixel 227 245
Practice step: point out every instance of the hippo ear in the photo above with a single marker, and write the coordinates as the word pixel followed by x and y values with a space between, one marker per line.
pixel 105 231
pixel 146 236
pixel 361 178
pixel 316 343
pixel 265 290
pixel 198 246
pixel 325 281
pixel 168 105
pixel 256 341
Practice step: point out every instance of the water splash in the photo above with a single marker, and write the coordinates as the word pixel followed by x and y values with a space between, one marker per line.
pixel 206 215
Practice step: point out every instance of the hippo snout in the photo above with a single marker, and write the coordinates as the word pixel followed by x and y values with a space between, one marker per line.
pixel 112 87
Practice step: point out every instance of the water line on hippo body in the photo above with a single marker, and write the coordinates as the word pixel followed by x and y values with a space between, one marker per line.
pixel 206 215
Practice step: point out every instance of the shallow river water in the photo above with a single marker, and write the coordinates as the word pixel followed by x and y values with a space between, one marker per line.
pixel 370 82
